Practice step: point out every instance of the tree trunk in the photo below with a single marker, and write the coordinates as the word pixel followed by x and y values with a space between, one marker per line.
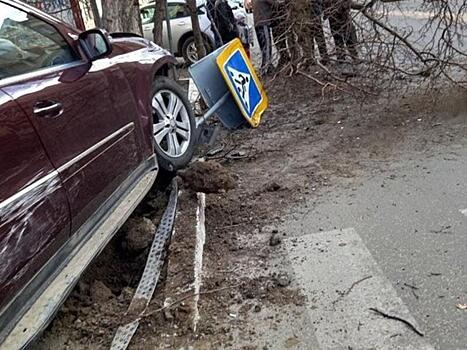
pixel 121 16
pixel 199 42
pixel 159 17
pixel 95 13
pixel 300 37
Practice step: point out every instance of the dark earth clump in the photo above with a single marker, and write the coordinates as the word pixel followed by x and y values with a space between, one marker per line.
pixel 207 177
pixel 100 292
pixel 139 234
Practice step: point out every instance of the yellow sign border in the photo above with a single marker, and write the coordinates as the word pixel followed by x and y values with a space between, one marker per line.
pixel 222 59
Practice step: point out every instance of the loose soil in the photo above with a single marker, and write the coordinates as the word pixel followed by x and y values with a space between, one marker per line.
pixel 306 143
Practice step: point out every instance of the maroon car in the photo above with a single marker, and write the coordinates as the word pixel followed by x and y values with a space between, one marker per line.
pixel 81 114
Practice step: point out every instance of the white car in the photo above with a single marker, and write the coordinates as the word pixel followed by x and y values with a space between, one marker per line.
pixel 183 42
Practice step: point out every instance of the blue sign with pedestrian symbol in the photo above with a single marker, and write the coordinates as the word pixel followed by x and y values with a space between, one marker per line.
pixel 243 82
pixel 229 86
pixel 249 94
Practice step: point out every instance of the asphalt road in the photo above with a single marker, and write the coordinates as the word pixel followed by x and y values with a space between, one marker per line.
pixel 395 241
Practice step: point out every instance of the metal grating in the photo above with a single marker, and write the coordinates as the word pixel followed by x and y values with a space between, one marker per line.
pixel 151 273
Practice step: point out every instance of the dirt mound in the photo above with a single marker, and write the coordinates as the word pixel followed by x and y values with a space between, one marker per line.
pixel 100 292
pixel 207 177
pixel 139 234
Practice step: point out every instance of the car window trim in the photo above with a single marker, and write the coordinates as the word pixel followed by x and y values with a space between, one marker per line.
pixel 14 79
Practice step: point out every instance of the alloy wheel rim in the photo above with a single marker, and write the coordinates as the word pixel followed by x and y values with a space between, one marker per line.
pixel 171 126
pixel 192 52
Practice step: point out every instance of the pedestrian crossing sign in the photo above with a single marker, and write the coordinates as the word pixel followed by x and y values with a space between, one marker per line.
pixel 243 83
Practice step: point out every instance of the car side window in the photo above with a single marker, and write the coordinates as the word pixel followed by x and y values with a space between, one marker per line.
pixel 147 14
pixel 175 11
pixel 28 44
pixel 178 11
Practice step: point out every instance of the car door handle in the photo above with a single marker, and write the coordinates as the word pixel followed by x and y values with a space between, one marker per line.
pixel 48 109
pixel 181 24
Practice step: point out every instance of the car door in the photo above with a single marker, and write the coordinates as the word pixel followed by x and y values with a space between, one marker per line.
pixel 147 21
pixel 34 213
pixel 180 23
pixel 83 112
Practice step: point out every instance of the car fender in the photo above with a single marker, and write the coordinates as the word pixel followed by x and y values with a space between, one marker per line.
pixel 140 68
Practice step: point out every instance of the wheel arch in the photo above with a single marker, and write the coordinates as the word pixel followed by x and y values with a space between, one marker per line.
pixel 189 34
pixel 182 40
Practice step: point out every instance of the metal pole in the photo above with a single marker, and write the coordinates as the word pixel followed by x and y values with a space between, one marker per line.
pixel 169 34
pixel 213 109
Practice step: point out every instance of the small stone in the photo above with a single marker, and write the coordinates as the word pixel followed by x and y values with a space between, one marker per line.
pixel 126 294
pixel 168 315
pixel 283 279
pixel 250 293
pixel 275 240
pixel 257 308
pixel 273 187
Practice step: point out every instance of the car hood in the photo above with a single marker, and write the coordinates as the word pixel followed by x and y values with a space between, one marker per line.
pixel 124 43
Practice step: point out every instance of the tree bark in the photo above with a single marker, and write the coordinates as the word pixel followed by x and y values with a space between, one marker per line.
pixel 199 42
pixel 159 17
pixel 95 13
pixel 121 16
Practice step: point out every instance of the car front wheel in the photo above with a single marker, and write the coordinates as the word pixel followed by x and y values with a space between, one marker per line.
pixel 174 125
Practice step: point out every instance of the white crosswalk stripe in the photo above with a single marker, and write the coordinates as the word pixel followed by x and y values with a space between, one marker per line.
pixel 342 282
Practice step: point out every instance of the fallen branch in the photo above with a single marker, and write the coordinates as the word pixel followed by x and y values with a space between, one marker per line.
pixel 344 81
pixel 347 292
pixel 323 84
pixel 395 34
pixel 397 318
pixel 355 284
pixel 410 286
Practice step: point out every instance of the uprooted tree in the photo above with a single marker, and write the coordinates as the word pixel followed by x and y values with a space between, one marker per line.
pixel 396 40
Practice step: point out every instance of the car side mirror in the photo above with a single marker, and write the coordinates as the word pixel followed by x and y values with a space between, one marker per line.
pixel 95 44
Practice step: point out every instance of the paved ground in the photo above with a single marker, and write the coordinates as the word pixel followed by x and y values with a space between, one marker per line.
pixel 404 231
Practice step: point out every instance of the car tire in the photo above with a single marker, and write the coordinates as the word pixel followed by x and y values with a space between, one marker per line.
pixel 174 126
pixel 187 49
